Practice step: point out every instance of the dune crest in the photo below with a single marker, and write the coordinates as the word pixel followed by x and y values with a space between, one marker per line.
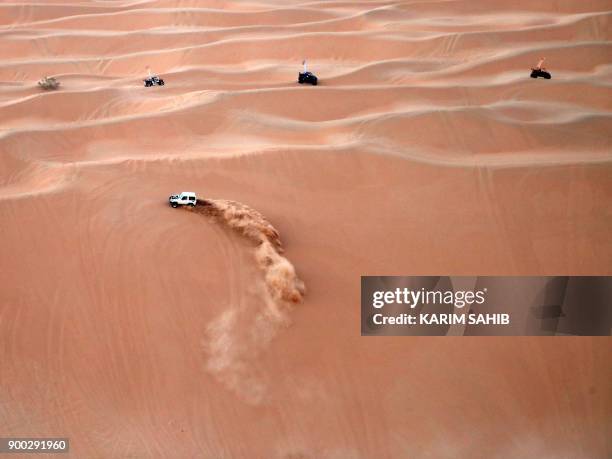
pixel 238 335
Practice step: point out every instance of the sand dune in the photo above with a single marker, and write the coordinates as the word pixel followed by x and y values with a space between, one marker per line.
pixel 138 330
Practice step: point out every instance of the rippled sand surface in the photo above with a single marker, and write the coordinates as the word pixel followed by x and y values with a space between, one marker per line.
pixel 138 330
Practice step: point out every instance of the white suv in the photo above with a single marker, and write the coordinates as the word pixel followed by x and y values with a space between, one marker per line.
pixel 186 198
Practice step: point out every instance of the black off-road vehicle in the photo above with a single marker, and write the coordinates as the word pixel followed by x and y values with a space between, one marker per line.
pixel 540 73
pixel 153 81
pixel 308 78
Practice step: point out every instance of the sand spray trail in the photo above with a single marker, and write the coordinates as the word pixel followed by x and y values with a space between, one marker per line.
pixel 240 333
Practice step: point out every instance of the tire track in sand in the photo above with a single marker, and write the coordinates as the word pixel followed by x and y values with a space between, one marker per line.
pixel 236 337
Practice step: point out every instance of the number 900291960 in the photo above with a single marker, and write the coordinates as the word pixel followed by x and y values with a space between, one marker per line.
pixel 41 445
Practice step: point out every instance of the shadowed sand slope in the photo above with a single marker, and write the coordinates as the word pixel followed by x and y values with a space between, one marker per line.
pixel 138 330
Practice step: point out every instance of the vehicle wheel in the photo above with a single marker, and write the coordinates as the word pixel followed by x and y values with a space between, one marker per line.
pixel 547 76
pixel 174 205
pixel 191 204
pixel 315 82
pixel 161 82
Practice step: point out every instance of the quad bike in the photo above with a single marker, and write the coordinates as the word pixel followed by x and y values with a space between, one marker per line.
pixel 307 77
pixel 48 83
pixel 540 73
pixel 153 81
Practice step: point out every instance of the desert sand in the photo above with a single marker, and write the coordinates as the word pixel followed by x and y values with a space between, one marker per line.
pixel 138 330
